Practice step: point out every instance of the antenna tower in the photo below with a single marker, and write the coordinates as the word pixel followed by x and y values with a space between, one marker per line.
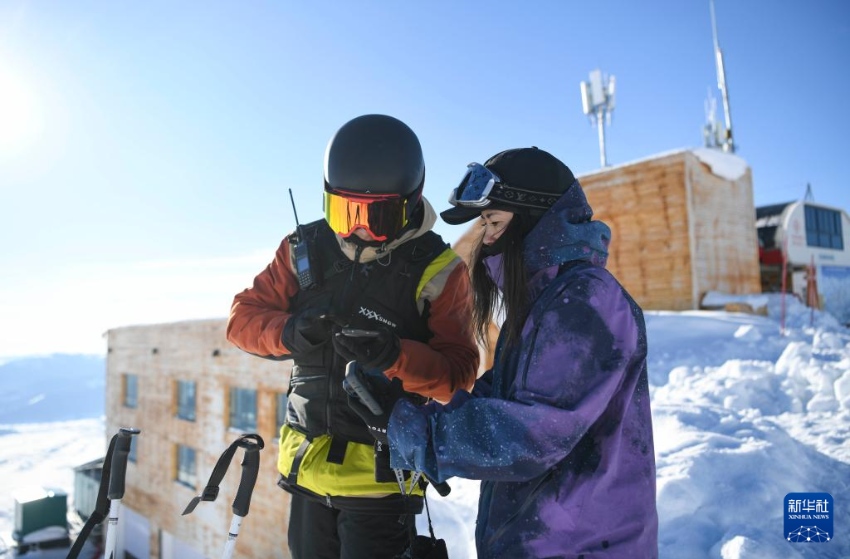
pixel 597 101
pixel 810 196
pixel 712 132
pixel 721 137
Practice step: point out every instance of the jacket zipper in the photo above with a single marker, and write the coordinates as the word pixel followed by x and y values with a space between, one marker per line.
pixel 525 504
pixel 530 347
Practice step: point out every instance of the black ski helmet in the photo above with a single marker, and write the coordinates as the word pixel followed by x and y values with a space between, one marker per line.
pixel 374 154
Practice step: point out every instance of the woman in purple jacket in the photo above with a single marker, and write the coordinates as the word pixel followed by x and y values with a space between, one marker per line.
pixel 559 430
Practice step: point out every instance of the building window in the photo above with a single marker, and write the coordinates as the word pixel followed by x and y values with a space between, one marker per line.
pixel 186 399
pixel 767 237
pixel 823 228
pixel 243 409
pixel 131 390
pixel 280 412
pixel 186 466
pixel 132 456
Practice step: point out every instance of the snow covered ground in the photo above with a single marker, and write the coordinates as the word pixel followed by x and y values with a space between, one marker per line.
pixel 743 414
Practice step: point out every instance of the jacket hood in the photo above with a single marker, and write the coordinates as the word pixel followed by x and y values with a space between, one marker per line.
pixel 429 218
pixel 566 233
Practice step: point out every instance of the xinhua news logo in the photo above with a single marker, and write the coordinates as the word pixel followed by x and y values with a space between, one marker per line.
pixel 808 517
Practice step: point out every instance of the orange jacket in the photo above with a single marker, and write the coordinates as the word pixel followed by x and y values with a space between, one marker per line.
pixel 449 361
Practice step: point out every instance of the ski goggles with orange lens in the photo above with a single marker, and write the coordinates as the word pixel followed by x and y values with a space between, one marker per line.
pixel 381 216
pixel 475 187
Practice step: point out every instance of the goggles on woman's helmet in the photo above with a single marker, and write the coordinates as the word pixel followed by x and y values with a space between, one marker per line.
pixel 475 187
pixel 480 186
pixel 382 216
pixel 528 180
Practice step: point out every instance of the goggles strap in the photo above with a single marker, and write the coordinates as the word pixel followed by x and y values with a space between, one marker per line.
pixel 480 186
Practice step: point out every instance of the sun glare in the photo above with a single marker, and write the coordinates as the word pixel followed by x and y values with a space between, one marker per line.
pixel 20 123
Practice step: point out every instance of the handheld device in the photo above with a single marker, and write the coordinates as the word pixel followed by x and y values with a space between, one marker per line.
pixel 305 268
pixel 354 385
pixel 359 333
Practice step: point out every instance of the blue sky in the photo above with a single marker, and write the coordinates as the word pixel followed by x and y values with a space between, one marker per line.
pixel 146 149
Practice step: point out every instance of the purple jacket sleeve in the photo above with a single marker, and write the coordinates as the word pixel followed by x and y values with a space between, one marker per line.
pixel 565 378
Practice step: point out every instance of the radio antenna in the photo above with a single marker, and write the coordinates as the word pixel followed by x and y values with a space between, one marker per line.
pixel 294 211
pixel 726 142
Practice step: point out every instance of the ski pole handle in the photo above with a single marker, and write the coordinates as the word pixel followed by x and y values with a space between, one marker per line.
pixel 119 462
pixel 250 469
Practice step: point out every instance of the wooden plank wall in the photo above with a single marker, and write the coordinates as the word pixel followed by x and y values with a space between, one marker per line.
pixel 645 204
pixel 725 240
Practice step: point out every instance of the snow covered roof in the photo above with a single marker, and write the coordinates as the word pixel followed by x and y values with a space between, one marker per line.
pixel 726 165
pixel 770 216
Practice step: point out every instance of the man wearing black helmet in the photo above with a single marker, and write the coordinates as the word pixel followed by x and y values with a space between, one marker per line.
pixel 373 264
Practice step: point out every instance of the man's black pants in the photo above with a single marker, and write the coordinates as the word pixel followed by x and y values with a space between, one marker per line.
pixel 319 532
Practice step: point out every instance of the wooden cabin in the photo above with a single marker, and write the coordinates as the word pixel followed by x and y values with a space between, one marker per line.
pixel 682 223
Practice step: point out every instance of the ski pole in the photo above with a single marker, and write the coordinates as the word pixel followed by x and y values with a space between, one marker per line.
pixel 111 487
pixel 252 443
pixel 242 501
pixel 117 474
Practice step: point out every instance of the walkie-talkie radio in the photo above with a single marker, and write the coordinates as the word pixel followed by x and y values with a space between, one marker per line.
pixel 305 268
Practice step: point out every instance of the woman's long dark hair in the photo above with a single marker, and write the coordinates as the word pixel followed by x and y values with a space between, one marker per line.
pixel 514 298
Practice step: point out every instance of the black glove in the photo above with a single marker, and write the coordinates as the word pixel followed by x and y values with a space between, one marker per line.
pixel 378 351
pixel 306 331
pixel 387 394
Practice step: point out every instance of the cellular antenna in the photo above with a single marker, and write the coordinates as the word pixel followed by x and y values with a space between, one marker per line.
pixel 597 101
pixel 713 132
pixel 723 137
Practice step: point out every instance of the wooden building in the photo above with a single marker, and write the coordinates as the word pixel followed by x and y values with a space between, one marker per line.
pixel 191 393
pixel 682 224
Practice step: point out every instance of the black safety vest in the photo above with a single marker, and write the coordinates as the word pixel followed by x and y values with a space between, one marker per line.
pixel 380 293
